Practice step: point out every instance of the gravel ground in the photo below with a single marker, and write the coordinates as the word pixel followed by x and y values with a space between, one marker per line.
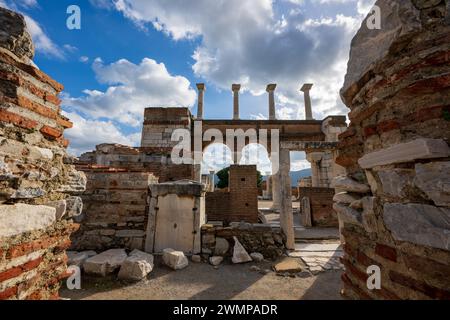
pixel 202 282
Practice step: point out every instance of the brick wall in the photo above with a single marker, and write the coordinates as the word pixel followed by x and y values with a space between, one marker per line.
pixel 115 209
pixel 393 204
pixel 321 203
pixel 38 187
pixel 239 202
pixel 138 159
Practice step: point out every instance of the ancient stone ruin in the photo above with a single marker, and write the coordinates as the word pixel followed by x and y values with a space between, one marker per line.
pixel 393 204
pixel 40 187
pixel 119 210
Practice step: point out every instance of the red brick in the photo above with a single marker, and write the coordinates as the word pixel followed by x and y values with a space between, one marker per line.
pixel 347 282
pixel 386 252
pixel 17 271
pixel 8 293
pixel 64 122
pixel 52 99
pixel 26 248
pixel 350 132
pixel 36 295
pixel 37 108
pixel 365 260
pixel 370 131
pixel 387 126
pixel 17 120
pixel 350 268
pixel 430 85
pixel 51 132
pixel 432 292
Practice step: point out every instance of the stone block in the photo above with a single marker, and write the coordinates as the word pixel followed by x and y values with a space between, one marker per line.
pixel 175 259
pixel 215 260
pixel 78 258
pixel 345 197
pixel 418 223
pixel 257 257
pixel 406 152
pixel 289 265
pixel 20 218
pixel 137 266
pixel 347 214
pixel 395 182
pixel 196 258
pixel 60 206
pixel 222 247
pixel 349 185
pixel 240 255
pixel 434 180
pixel 105 263
pixel 74 206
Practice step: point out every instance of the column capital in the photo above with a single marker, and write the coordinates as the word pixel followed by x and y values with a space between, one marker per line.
pixel 201 87
pixel 271 87
pixel 306 87
pixel 235 87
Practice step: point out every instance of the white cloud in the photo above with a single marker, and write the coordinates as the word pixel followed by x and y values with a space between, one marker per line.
pixel 86 134
pixel 246 41
pixel 42 41
pixel 132 87
pixel 84 59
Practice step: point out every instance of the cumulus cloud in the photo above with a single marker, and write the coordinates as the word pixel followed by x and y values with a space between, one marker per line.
pixel 248 42
pixel 86 134
pixel 132 87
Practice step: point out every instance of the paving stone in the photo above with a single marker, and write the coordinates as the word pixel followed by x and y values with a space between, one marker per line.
pixel 289 265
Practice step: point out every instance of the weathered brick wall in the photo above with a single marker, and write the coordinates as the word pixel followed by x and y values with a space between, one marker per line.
pixel 321 204
pixel 38 186
pixel 159 124
pixel 115 209
pixel 394 205
pixel 254 238
pixel 240 202
pixel 138 159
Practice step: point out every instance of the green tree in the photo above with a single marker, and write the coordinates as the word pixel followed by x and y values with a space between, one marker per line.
pixel 223 178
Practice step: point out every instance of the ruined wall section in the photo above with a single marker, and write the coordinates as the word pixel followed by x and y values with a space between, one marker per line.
pixel 239 202
pixel 394 203
pixel 38 185
pixel 138 159
pixel 115 209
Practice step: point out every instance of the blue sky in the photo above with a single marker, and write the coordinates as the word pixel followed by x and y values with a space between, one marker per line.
pixel 132 54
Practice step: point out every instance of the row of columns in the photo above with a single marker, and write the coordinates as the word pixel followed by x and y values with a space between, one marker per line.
pixel 270 89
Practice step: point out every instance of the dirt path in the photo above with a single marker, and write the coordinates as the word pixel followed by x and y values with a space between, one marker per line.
pixel 202 281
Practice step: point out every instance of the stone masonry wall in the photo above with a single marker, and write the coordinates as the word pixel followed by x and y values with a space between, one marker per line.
pixel 38 186
pixel 259 238
pixel 115 209
pixel 138 159
pixel 394 202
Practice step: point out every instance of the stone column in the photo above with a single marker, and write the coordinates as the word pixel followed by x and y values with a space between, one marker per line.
pixel 235 88
pixel 286 214
pixel 201 91
pixel 211 179
pixel 314 158
pixel 308 110
pixel 276 192
pixel 268 184
pixel 271 89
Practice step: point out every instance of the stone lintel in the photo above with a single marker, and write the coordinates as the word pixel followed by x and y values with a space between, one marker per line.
pixel 406 152
pixel 308 145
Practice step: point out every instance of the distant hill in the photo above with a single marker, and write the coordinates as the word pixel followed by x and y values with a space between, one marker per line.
pixel 296 175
